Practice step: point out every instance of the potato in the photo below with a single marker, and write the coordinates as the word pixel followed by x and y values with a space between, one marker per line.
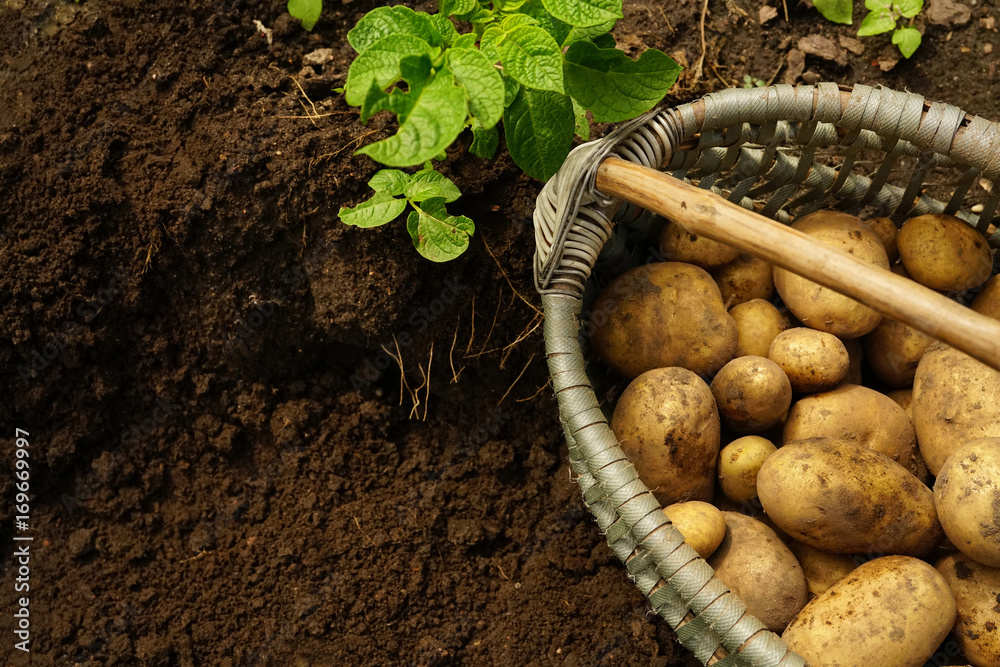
pixel 812 360
pixel 702 525
pixel 757 324
pixel 890 612
pixel 744 279
pixel 856 356
pixel 752 393
pixel 943 253
pixel 967 496
pixel 739 463
pixel 886 230
pixel 955 399
pixel 679 245
pixel 904 399
pixel 861 415
pixel 661 315
pixel 819 307
pixel 822 570
pixel 975 588
pixel 840 497
pixel 668 425
pixel 760 570
pixel 987 301
pixel 893 350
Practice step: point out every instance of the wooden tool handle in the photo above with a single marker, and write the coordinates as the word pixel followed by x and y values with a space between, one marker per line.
pixel 706 214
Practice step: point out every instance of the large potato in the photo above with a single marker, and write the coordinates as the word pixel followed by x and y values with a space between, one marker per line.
pixel 812 360
pixel 976 589
pixel 890 612
pixel 661 315
pixel 967 495
pixel 904 399
pixel 955 399
pixel 822 570
pixel 757 324
pixel 679 245
pixel 861 415
pixel 887 232
pixel 987 301
pixel 819 307
pixel 701 524
pixel 893 350
pixel 760 570
pixel 668 425
pixel 840 497
pixel 944 253
pixel 739 463
pixel 752 393
pixel 744 279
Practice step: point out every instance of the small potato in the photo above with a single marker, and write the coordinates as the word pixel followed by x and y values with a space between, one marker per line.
pixel 893 350
pixel 744 279
pixel 701 524
pixel 757 324
pixel 679 245
pixel 752 393
pixel 967 496
pixel 812 360
pixel 820 307
pixel 662 315
pixel 856 354
pixel 757 566
pixel 977 626
pixel 955 399
pixel 943 253
pixel 861 415
pixel 668 425
pixel 904 399
pixel 886 230
pixel 987 301
pixel 890 612
pixel 739 463
pixel 822 570
pixel 840 497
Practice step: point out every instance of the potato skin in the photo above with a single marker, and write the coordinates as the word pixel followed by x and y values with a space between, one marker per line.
pixel 702 525
pixel 887 232
pixel 840 497
pixel 812 360
pixel 856 360
pixel 679 245
pixel 752 393
pixel 891 612
pixel 819 307
pixel 987 302
pixel 955 399
pixel 739 463
pixel 822 570
pixel 757 324
pixel 861 415
pixel 942 252
pixel 977 626
pixel 744 279
pixel 662 315
pixel 893 350
pixel 757 566
pixel 967 496
pixel 668 426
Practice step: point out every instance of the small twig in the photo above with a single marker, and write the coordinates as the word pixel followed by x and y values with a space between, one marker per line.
pixel 322 115
pixel 721 78
pixel 472 334
pixel 784 6
pixel 195 557
pixel 535 395
pixel 516 379
pixel 427 392
pixel 504 273
pixel 302 90
pixel 698 67
pixel 495 315
pixel 451 356
pixel 524 334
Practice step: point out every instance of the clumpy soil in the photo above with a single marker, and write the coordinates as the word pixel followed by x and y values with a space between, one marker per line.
pixel 228 466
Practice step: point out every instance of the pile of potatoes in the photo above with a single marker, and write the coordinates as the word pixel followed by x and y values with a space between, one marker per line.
pixel 854 462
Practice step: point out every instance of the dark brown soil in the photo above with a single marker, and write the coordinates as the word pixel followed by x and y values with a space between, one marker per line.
pixel 225 469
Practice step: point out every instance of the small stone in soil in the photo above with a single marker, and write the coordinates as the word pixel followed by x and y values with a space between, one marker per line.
pixel 947 13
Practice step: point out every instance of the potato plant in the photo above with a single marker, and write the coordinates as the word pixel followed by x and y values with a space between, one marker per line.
pixel 882 17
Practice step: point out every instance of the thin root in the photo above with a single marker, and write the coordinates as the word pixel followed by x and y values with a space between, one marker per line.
pixel 698 68
pixel 451 356
pixel 502 271
pixel 535 395
pixel 530 359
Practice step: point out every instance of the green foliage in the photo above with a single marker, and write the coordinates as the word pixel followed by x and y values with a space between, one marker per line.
pixel 306 11
pixel 536 67
pixel 838 11
pixel 882 17
pixel 753 82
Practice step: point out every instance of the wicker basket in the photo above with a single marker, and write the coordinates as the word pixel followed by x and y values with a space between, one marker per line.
pixel 782 151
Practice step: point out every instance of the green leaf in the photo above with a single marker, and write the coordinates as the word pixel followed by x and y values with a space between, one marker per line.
pixel 379 64
pixel 539 126
pixel 605 41
pixel 878 5
pixel 384 21
pixel 510 89
pixel 838 11
pixel 588 33
pixel 436 234
pixel 482 82
pixel 582 129
pixel 558 29
pixel 444 26
pixel 392 181
pixel 508 5
pixel 876 23
pixel 378 210
pixel 306 11
pixel 484 142
pixel 436 116
pixel 457 7
pixel 515 20
pixel 584 13
pixel 488 43
pixel 613 86
pixel 909 8
pixel 531 56
pixel 429 183
pixel 466 41
pixel 907 39
pixel 481 15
